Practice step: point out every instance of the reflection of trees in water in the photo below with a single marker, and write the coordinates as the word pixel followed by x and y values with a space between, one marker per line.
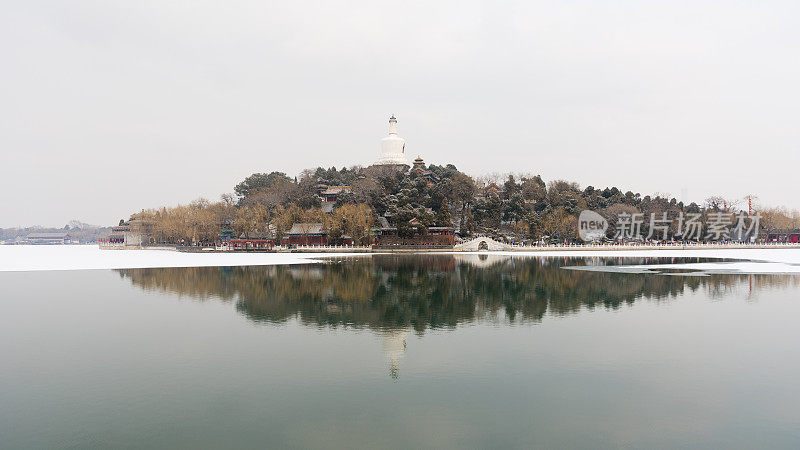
pixel 422 291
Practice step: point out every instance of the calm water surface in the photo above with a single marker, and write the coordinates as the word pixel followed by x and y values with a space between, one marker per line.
pixel 399 352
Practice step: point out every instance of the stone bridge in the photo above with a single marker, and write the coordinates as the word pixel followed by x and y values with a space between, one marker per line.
pixel 482 243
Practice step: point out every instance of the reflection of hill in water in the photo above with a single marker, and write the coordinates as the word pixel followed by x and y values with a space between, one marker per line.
pixel 422 291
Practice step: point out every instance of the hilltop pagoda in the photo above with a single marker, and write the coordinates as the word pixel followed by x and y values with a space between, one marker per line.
pixel 393 148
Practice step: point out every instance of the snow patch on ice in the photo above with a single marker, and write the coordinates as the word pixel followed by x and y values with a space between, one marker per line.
pixel 745 267
pixel 82 257
pixel 15 258
pixel 733 260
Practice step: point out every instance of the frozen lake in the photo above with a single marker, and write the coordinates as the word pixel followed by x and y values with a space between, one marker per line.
pixel 389 351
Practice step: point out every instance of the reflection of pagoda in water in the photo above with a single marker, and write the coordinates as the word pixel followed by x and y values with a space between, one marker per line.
pixel 394 347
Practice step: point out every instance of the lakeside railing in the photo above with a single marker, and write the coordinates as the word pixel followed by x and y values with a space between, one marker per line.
pixel 506 246
pixel 411 247
pixel 353 248
pixel 667 245
pixel 516 246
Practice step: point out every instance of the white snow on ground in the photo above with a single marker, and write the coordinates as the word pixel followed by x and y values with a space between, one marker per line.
pixel 78 257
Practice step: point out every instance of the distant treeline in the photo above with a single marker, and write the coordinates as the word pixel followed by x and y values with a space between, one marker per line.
pixel 84 233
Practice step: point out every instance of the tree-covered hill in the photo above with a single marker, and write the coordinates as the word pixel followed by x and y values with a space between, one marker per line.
pixel 518 208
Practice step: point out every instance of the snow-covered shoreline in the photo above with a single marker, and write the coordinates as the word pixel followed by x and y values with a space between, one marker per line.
pixel 23 258
pixel 16 258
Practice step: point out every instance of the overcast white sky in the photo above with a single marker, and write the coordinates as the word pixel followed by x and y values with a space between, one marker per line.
pixel 110 107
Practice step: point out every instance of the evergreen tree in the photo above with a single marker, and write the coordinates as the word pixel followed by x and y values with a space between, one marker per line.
pixel 443 218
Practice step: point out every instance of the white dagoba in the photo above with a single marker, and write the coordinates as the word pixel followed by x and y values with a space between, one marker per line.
pixel 393 147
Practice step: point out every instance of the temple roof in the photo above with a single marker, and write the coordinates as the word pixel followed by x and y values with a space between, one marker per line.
pixel 306 228
pixel 333 190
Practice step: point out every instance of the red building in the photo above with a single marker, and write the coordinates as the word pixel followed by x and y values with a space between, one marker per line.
pixel 113 240
pixel 446 234
pixel 435 236
pixel 331 193
pixel 248 245
pixel 783 236
pixel 306 234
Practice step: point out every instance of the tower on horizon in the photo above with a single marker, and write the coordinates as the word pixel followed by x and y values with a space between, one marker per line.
pixel 393 147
